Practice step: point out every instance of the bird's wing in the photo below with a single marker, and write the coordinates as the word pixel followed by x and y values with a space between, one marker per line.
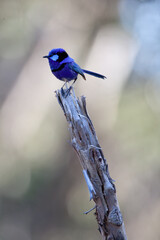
pixel 75 67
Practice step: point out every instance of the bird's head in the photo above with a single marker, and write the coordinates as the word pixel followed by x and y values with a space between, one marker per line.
pixel 56 55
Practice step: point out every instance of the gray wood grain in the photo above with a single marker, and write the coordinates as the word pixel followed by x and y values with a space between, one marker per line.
pixel 94 165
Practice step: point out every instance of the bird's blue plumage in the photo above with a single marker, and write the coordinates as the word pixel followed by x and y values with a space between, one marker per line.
pixel 64 67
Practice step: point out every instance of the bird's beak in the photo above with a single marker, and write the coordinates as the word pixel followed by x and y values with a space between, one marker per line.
pixel 45 56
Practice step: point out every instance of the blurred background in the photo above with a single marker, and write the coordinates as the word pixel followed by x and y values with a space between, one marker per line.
pixel 42 190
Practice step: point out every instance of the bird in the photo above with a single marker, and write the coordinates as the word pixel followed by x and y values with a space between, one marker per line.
pixel 65 68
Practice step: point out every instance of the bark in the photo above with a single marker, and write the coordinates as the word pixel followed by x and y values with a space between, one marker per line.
pixel 95 167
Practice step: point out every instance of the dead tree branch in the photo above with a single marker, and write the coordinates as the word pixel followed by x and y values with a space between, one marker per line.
pixel 95 167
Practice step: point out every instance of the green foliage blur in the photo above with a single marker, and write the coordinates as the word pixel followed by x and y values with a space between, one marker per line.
pixel 42 190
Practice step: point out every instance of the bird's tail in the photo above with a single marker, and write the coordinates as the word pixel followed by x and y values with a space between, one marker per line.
pixel 94 74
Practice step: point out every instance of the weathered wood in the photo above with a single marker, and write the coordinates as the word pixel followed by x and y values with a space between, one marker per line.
pixel 85 143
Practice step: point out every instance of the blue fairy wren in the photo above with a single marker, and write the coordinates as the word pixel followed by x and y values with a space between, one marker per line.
pixel 64 67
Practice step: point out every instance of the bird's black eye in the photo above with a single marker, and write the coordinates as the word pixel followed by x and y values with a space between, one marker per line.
pixel 62 56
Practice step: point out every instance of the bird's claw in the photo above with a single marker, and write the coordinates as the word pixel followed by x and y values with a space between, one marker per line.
pixel 62 91
pixel 65 93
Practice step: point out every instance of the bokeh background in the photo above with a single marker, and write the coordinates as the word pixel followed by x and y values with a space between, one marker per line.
pixel 42 190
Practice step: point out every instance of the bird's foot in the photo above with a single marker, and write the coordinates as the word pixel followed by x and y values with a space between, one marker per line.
pixel 62 91
pixel 67 92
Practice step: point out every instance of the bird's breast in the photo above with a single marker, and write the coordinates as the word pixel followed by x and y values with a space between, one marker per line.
pixel 64 72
